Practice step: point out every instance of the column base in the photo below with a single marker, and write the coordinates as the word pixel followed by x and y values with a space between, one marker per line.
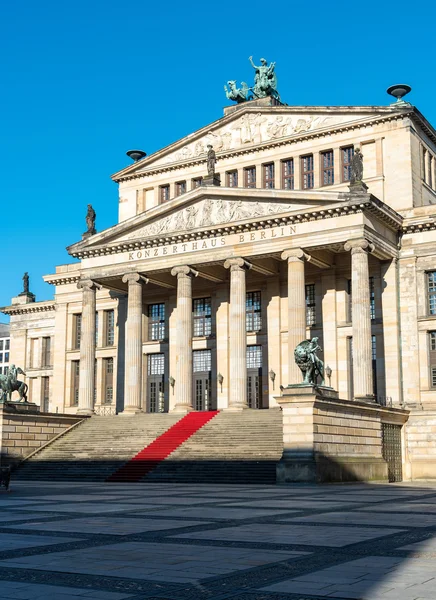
pixel 236 408
pixel 86 412
pixel 130 411
pixel 370 398
pixel 182 409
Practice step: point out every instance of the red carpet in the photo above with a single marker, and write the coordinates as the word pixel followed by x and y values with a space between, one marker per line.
pixel 148 459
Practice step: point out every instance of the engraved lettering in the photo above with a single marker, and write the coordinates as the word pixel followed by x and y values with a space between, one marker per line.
pixel 139 255
pixel 184 246
pixel 252 237
pixel 293 229
pixel 156 250
pixel 164 250
pixel 223 242
pixel 262 235
pixel 213 243
pixel 273 233
pixel 146 253
pixel 194 245
pixel 204 245
pixel 174 249
pixel 131 256
pixel 241 237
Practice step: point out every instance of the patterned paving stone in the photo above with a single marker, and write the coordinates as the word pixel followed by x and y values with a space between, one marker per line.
pixel 12 541
pixel 220 512
pixel 363 518
pixel 293 534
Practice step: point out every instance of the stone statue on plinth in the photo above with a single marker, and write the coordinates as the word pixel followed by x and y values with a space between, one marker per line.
pixel 265 79
pixel 28 294
pixel 310 364
pixel 90 222
pixel 356 177
pixel 9 384
pixel 212 177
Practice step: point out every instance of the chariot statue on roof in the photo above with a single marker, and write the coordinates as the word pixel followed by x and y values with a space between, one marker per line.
pixel 265 79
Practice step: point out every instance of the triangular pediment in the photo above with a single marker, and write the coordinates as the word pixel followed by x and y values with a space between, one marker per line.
pixel 250 126
pixel 205 209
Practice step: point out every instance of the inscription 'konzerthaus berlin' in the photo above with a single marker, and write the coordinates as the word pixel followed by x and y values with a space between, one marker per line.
pixel 197 297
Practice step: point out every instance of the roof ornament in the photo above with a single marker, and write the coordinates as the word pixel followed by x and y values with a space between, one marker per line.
pixel 90 222
pixel 265 84
pixel 398 91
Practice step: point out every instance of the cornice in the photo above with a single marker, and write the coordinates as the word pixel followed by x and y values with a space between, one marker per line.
pixel 326 131
pixel 24 309
pixel 365 202
pixel 61 279
pixel 419 226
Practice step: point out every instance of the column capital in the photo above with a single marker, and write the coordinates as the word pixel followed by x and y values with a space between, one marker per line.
pixel 359 246
pixel 88 285
pixel 134 278
pixel 237 264
pixel 183 271
pixel 294 255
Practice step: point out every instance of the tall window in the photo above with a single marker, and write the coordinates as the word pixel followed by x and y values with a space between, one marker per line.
pixel 75 373
pixel 307 173
pixel 108 373
pixel 254 357
pixel 310 305
pixel 96 328
pixel 253 311
pixel 164 193
pixel 288 174
pixel 196 182
pixel 232 178
pixel 77 324
pixel 327 161
pixel 424 158
pixel 201 361
pixel 250 177
pixel 371 298
pixel 156 322
pixel 110 327
pixel 45 393
pixel 180 188
pixel 46 360
pixel 202 317
pixel 268 176
pixel 431 290
pixel 374 363
pixel 347 155
pixel 430 170
pixel 432 356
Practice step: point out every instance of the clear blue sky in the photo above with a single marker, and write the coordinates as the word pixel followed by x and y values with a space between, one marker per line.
pixel 85 81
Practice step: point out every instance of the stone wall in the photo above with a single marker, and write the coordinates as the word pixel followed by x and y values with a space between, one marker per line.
pixel 23 431
pixel 328 439
pixel 420 436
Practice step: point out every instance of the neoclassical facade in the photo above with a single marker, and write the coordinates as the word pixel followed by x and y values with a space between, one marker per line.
pixel 197 298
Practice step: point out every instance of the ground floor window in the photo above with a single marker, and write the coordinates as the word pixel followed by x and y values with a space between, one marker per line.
pixel 432 356
pixel 75 374
pixel 45 393
pixel 202 389
pixel 108 373
pixel 254 376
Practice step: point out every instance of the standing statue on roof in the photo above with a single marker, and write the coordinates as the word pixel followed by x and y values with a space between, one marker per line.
pixel 211 160
pixel 265 79
pixel 90 221
pixel 356 167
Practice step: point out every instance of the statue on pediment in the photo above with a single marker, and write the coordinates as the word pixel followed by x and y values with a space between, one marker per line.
pixel 356 167
pixel 211 160
pixel 90 221
pixel 265 79
pixel 237 94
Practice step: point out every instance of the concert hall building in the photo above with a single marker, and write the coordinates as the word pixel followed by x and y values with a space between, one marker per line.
pixel 197 297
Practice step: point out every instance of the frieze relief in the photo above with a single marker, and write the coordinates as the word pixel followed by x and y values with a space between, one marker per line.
pixel 252 128
pixel 209 212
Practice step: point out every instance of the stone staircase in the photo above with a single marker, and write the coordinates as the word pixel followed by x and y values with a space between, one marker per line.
pixel 96 448
pixel 233 447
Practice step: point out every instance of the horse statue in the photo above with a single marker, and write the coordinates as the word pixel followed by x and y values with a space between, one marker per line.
pixel 10 384
pixel 311 366
pixel 238 94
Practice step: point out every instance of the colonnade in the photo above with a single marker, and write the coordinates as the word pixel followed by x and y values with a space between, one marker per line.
pixel 296 259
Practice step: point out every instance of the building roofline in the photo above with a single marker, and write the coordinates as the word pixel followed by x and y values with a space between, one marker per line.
pixel 32 307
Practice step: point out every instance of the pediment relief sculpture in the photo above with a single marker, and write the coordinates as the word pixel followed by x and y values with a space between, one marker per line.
pixel 249 129
pixel 209 212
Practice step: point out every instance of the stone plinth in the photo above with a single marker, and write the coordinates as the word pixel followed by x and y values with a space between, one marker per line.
pixel 21 407
pixel 326 439
pixel 215 180
pixel 22 430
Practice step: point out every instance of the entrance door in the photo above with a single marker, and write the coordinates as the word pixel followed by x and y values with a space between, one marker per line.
pixel 254 376
pixel 391 448
pixel 202 365
pixel 156 383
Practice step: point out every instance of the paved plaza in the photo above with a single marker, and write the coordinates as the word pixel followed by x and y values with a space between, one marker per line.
pixel 68 541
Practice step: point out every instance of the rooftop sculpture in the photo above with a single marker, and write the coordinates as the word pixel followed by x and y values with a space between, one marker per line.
pixel 265 84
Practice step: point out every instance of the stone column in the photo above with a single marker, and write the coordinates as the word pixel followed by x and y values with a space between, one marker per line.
pixel 361 319
pixel 296 308
pixel 183 383
pixel 133 345
pixel 87 347
pixel 238 333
